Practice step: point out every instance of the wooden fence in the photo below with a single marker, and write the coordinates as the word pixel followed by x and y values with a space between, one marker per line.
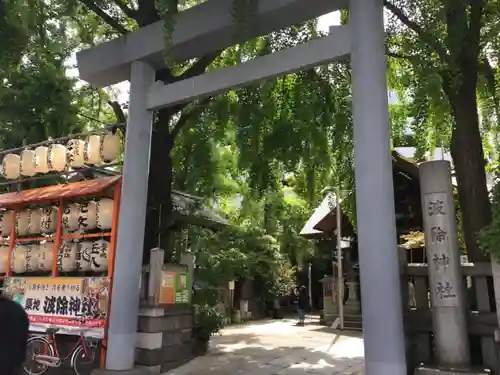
pixel 482 317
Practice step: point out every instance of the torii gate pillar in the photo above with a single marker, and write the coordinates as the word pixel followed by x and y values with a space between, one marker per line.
pixel 377 237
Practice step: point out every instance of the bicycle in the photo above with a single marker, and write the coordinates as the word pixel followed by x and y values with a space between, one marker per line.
pixel 42 353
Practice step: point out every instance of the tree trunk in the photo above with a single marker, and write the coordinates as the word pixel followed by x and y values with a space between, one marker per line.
pixel 469 162
pixel 159 210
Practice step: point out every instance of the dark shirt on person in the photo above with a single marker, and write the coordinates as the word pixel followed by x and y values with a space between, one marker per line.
pixel 302 300
pixel 14 330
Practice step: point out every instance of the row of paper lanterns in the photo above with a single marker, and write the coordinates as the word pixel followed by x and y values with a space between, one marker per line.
pixel 96 149
pixel 76 217
pixel 73 256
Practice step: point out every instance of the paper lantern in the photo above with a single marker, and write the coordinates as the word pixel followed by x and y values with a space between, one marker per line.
pixel 70 217
pixel 45 256
pixel 18 261
pixel 92 151
pixel 4 257
pixel 56 158
pixel 87 219
pixel 83 256
pixel 36 253
pixel 28 168
pixel 105 213
pixel 22 222
pixel 34 219
pixel 28 221
pixel 11 166
pixel 41 159
pixel 5 222
pixel 48 219
pixel 110 147
pixel 67 257
pixel 75 153
pixel 31 253
pixel 99 256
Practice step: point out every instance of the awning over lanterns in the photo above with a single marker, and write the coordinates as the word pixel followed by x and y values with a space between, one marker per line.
pixel 56 192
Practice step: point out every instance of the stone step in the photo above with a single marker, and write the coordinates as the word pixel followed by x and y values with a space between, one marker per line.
pixel 354 318
pixel 353 322
pixel 353 325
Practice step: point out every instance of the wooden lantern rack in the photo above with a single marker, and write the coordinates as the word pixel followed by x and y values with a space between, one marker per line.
pixel 61 195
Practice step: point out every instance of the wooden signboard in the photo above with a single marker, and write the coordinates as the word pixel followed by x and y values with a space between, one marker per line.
pixel 175 287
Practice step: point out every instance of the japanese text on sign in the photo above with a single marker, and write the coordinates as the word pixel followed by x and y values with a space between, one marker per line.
pixel 441 260
pixel 438 245
pixel 59 297
pixel 62 305
pixel 438 235
pixel 59 300
pixel 444 290
pixel 436 207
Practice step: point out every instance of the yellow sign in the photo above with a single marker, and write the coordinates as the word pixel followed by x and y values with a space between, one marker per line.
pixel 55 286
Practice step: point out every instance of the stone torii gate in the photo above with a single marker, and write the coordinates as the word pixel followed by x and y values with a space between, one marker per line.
pixel 209 27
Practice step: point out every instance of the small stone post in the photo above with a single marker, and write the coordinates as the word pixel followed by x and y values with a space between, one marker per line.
pixel 353 304
pixel 189 259
pixel 445 273
pixel 155 273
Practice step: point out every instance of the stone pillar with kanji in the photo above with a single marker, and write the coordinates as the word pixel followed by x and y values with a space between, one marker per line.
pixel 446 283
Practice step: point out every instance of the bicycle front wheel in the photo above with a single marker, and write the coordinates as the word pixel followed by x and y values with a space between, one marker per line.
pixel 84 360
pixel 37 346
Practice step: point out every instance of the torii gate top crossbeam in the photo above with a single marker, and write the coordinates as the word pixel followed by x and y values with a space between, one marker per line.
pixel 204 28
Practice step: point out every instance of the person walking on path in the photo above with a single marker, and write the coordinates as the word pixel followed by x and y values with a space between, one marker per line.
pixel 302 303
pixel 14 329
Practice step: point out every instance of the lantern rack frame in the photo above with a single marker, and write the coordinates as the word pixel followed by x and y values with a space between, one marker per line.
pixel 75 236
pixel 65 174
pixel 103 130
pixel 115 187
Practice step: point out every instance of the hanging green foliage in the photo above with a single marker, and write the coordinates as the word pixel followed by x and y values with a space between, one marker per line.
pixel 489 237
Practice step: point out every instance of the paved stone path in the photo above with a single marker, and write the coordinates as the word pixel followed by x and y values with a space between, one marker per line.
pixel 279 348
